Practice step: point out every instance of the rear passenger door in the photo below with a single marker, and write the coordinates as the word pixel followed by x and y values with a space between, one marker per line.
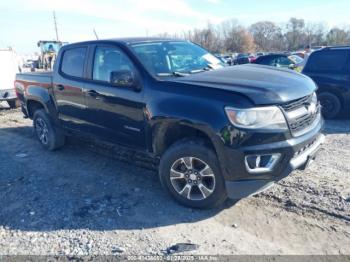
pixel 114 112
pixel 68 84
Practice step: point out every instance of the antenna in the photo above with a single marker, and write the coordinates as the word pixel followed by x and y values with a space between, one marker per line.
pixel 55 22
pixel 95 34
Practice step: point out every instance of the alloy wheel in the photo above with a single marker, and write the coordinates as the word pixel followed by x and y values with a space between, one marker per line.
pixel 192 178
pixel 42 131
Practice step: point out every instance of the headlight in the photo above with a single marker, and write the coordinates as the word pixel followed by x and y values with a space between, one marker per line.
pixel 269 118
pixel 313 104
pixel 314 99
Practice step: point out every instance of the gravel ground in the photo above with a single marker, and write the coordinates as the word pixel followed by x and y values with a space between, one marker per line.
pixel 97 199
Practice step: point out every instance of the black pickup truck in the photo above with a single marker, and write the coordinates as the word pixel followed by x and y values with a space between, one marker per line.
pixel 218 131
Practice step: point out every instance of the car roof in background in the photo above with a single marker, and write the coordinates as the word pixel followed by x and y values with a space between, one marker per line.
pixel 345 47
pixel 330 48
pixel 273 55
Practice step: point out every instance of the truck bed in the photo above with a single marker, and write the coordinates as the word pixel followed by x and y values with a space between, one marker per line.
pixel 35 77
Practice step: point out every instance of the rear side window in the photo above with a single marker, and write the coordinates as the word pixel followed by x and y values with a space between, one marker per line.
pixel 73 61
pixel 331 61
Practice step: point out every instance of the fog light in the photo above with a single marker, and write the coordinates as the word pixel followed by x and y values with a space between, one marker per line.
pixel 256 164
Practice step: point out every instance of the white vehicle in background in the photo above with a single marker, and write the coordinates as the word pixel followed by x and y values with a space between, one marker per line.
pixel 8 69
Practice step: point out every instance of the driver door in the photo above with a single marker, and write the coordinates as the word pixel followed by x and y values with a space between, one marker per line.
pixel 114 113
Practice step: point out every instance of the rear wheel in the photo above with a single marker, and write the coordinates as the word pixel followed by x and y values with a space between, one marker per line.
pixel 331 105
pixel 49 136
pixel 191 173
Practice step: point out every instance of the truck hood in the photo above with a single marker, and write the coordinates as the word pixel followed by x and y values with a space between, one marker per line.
pixel 261 84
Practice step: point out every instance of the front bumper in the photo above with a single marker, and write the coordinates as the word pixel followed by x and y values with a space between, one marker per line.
pixel 295 153
pixel 7 95
pixel 245 188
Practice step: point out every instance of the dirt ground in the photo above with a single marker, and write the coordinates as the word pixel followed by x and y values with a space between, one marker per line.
pixel 91 199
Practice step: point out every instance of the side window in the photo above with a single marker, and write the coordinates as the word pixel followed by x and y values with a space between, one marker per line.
pixel 108 60
pixel 73 61
pixel 272 61
pixel 327 61
pixel 284 61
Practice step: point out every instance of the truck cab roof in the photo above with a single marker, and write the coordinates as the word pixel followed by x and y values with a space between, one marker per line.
pixel 129 40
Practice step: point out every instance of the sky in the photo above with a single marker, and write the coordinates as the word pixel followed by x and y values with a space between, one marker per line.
pixel 24 22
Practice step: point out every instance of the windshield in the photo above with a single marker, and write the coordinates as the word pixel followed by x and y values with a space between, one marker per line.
pixel 175 58
pixel 296 59
pixel 50 47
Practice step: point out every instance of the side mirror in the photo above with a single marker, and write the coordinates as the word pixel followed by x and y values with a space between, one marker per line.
pixel 124 78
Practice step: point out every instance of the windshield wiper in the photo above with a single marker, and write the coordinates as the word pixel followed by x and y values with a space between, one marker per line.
pixel 175 73
pixel 195 71
pixel 209 67
pixel 212 66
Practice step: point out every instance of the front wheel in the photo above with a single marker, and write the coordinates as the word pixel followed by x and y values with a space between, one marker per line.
pixel 190 171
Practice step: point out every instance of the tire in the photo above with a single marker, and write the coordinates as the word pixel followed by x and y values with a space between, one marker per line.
pixel 331 105
pixel 49 136
pixel 12 104
pixel 179 157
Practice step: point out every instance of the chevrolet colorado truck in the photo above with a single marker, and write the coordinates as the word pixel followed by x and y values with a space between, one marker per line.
pixel 217 131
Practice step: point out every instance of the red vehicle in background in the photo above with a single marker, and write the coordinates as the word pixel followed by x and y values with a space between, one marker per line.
pixel 252 58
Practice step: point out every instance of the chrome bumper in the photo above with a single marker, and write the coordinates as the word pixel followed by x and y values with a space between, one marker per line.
pixel 308 154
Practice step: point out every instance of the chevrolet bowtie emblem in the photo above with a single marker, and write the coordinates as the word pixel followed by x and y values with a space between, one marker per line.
pixel 311 108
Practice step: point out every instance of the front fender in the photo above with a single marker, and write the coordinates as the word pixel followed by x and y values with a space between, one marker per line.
pixel 207 117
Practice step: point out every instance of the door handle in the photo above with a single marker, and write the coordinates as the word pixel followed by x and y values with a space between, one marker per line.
pixel 60 87
pixel 94 94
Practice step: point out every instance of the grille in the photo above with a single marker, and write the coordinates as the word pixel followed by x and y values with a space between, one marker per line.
pixel 295 104
pixel 304 121
pixel 300 124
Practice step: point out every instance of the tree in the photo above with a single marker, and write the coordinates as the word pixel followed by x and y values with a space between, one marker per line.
pixel 236 38
pixel 295 35
pixel 338 36
pixel 207 37
pixel 267 35
pixel 315 34
pixel 230 36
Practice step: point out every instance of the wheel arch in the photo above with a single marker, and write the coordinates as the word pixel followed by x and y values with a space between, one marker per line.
pixel 165 135
pixel 333 92
pixel 33 105
pixel 39 97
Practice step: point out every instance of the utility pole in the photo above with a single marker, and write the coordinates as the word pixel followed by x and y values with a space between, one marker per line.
pixel 95 34
pixel 55 22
